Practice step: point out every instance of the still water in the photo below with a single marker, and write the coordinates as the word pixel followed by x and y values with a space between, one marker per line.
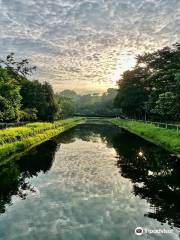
pixel 94 182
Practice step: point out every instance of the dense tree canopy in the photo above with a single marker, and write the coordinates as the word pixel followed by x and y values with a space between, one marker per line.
pixel 10 98
pixel 66 106
pixel 40 97
pixel 153 87
pixel 133 91
pixel 20 98
pixel 89 104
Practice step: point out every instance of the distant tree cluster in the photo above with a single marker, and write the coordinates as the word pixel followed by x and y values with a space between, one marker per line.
pixel 89 104
pixel 152 88
pixel 22 99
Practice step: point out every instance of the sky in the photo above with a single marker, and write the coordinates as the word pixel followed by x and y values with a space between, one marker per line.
pixel 85 45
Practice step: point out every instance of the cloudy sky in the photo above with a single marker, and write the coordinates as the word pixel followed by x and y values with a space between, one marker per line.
pixel 85 45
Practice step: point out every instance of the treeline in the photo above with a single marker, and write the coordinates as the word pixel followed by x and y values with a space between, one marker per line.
pixel 152 89
pixel 89 104
pixel 22 99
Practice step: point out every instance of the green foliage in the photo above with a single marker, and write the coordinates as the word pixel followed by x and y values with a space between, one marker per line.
pixel 28 114
pixel 133 92
pixel 167 138
pixel 69 94
pixel 10 98
pixel 21 99
pixel 167 106
pixel 17 70
pixel 87 105
pixel 66 106
pixel 40 97
pixel 143 89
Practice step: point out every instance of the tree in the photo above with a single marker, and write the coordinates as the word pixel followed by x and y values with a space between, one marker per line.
pixel 133 92
pixel 142 89
pixel 89 104
pixel 167 106
pixel 40 97
pixel 21 98
pixel 163 66
pixel 18 70
pixel 10 98
pixel 66 106
pixel 70 94
pixel 28 114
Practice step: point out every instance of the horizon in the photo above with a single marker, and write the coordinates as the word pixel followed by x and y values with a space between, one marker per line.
pixel 86 46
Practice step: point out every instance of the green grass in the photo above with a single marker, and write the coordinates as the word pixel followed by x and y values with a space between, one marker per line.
pixel 167 138
pixel 17 139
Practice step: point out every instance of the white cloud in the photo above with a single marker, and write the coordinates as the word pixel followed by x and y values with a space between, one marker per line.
pixel 77 42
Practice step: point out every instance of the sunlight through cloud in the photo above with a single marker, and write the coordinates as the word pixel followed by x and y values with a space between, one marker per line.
pixel 125 63
pixel 89 42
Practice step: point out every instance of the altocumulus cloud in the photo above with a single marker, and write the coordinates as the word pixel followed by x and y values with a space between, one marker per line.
pixel 78 43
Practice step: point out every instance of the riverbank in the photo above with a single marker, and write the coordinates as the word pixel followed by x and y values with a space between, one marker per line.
pixel 169 139
pixel 17 139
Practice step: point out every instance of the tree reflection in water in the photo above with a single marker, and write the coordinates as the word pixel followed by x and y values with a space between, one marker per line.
pixel 155 174
pixel 14 176
pixel 156 178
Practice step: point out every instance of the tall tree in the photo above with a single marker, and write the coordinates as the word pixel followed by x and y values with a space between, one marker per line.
pixel 133 92
pixel 155 77
pixel 19 70
pixel 66 106
pixel 10 98
pixel 41 97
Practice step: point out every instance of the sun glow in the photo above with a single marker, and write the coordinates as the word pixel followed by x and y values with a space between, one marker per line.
pixel 125 63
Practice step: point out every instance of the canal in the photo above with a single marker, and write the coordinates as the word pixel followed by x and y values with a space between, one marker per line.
pixel 93 182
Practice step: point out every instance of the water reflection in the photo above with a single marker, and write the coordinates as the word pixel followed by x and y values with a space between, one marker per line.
pixel 14 176
pixel 156 178
pixel 153 172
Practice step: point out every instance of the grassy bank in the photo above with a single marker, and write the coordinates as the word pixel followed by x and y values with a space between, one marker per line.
pixel 17 139
pixel 166 138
